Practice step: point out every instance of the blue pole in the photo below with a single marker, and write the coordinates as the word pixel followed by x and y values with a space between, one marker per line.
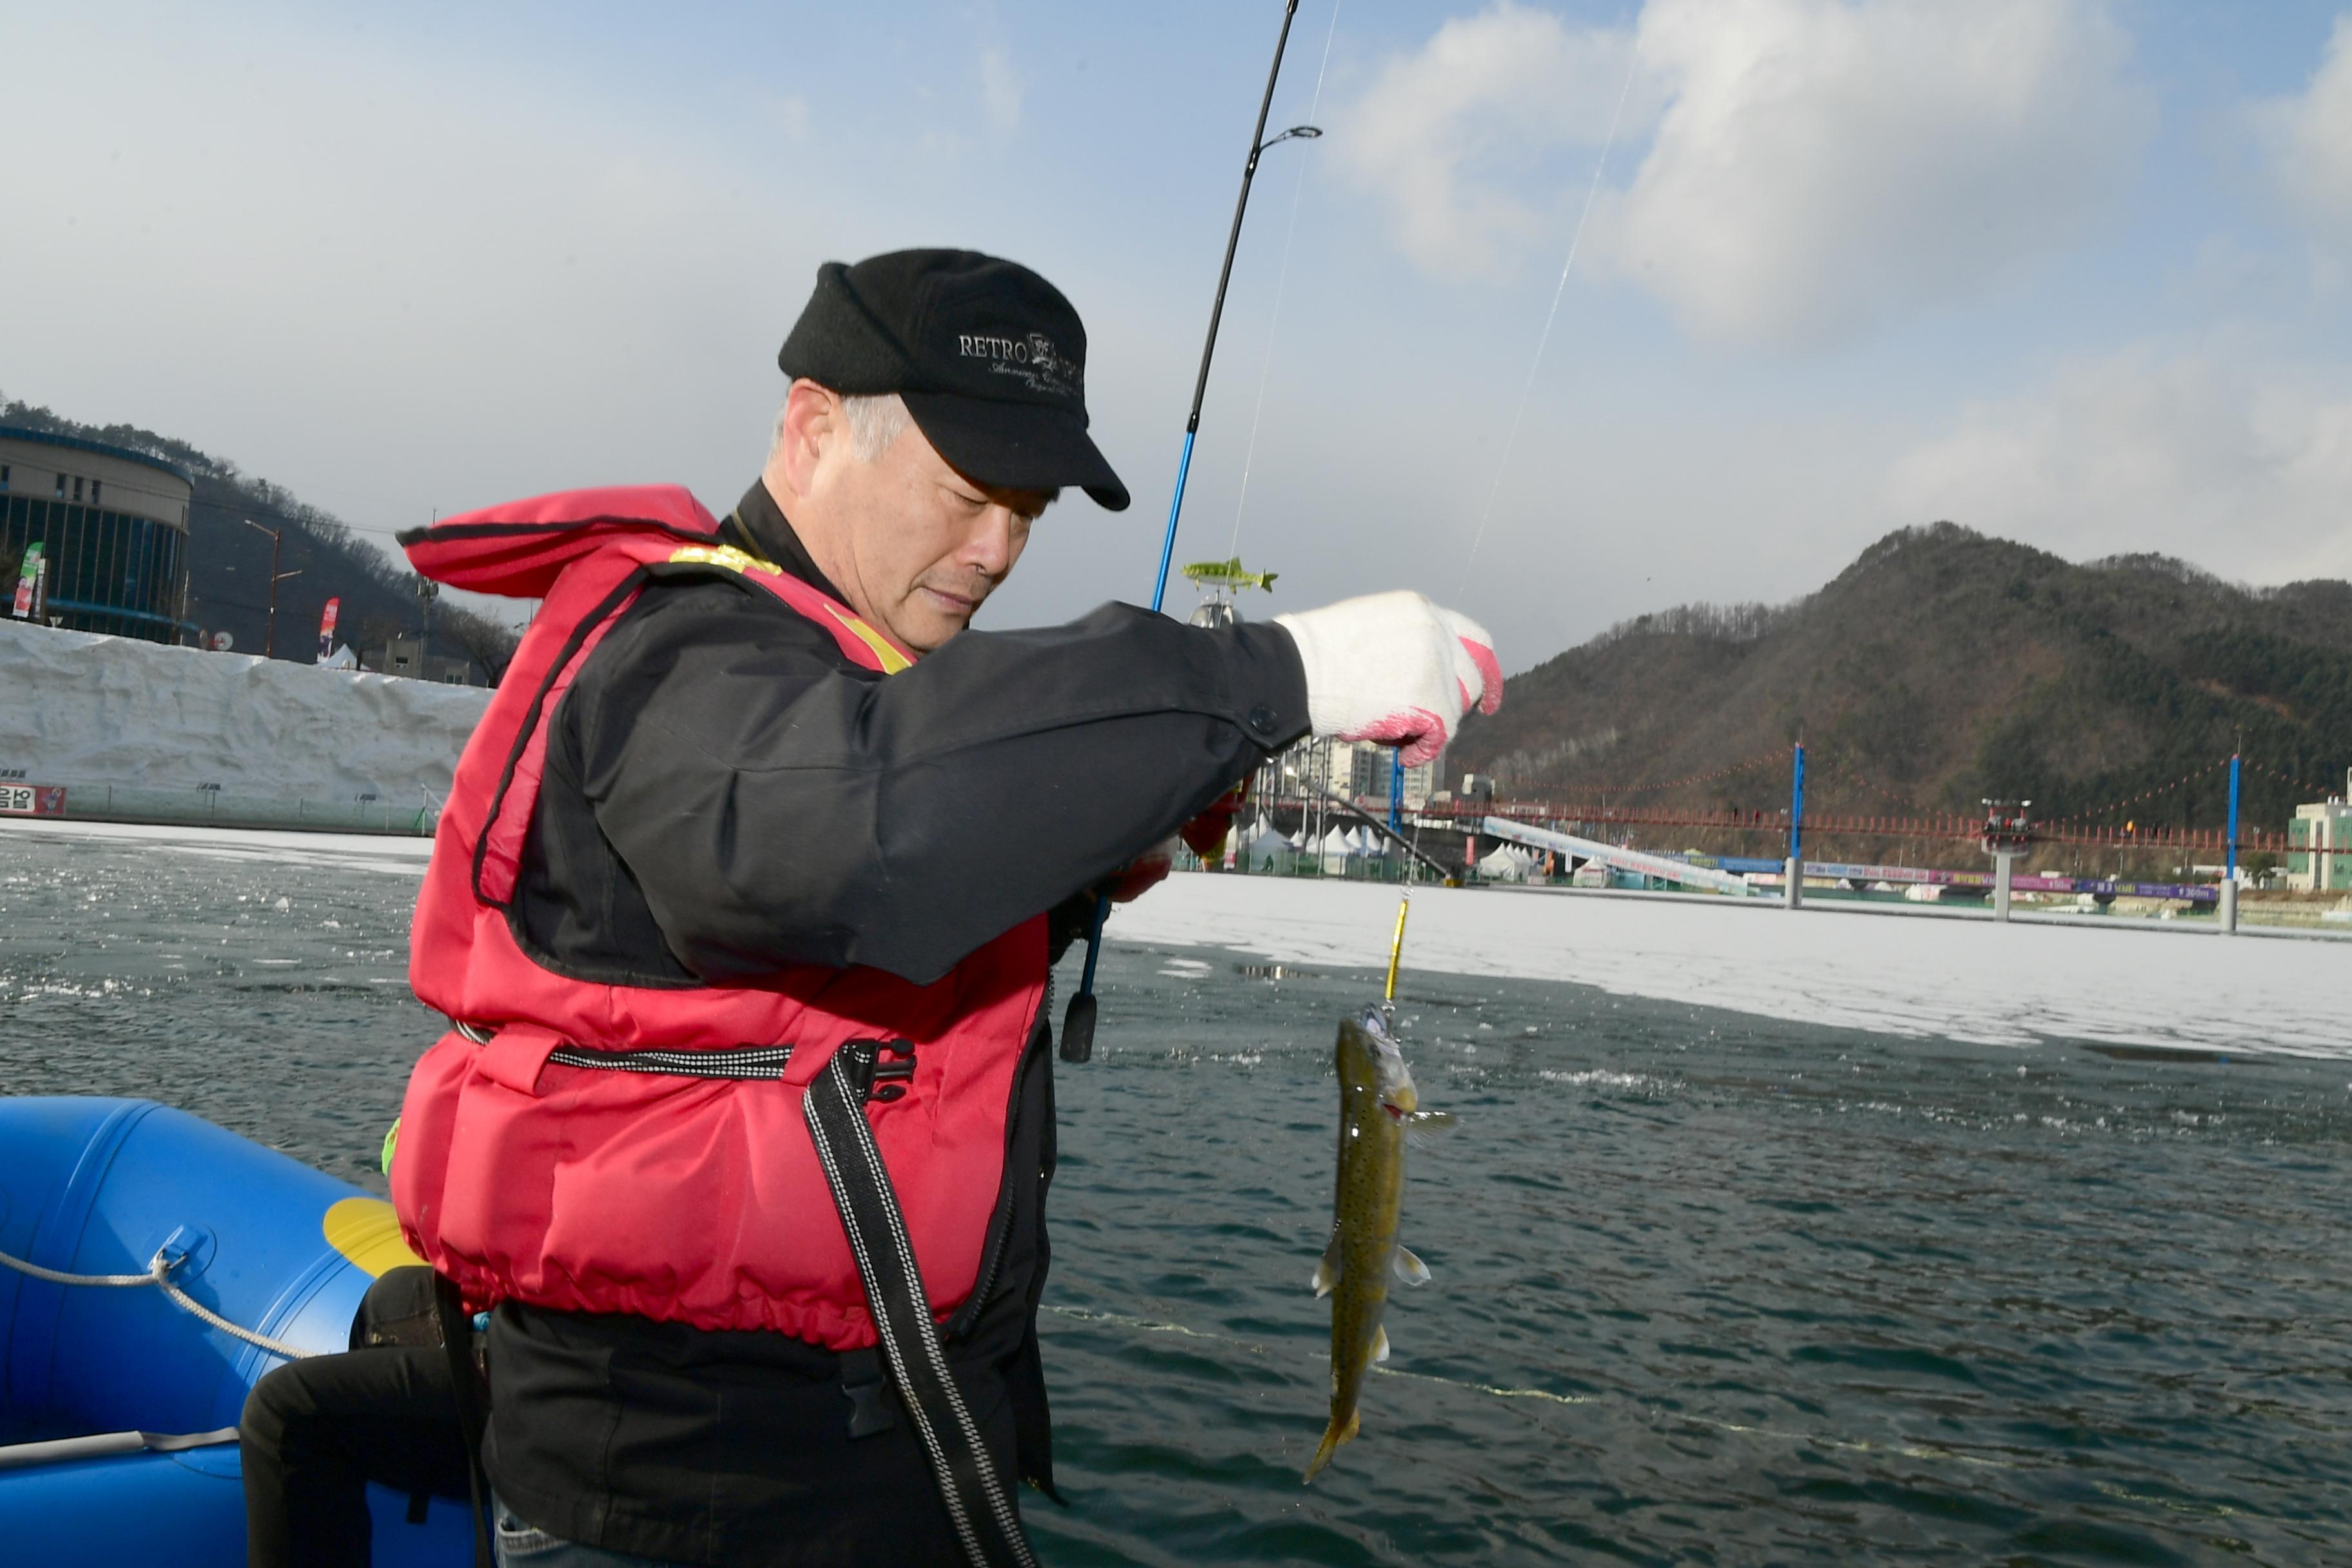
pixel 2233 817
pixel 1797 809
pixel 1167 553
pixel 1396 791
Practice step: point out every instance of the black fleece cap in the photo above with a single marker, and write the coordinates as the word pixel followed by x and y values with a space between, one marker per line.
pixel 988 356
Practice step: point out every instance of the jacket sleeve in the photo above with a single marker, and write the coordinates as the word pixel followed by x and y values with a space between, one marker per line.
pixel 776 806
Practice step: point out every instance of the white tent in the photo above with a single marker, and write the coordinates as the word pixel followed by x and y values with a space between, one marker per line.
pixel 1505 864
pixel 1265 850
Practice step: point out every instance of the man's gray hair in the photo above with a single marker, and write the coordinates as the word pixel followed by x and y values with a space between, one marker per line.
pixel 874 422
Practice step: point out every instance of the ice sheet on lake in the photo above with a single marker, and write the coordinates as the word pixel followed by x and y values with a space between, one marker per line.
pixel 1897 973
pixel 1892 974
pixel 325 851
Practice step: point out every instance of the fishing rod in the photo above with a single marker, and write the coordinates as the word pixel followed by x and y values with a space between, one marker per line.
pixel 1382 828
pixel 1396 956
pixel 1078 1023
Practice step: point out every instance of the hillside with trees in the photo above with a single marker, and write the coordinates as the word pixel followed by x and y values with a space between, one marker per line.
pixel 1941 667
pixel 228 572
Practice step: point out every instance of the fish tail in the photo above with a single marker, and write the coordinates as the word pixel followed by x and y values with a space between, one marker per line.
pixel 1333 1435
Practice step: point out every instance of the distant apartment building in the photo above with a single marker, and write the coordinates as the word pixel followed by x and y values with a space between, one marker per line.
pixel 2317 828
pixel 1360 769
pixel 111 529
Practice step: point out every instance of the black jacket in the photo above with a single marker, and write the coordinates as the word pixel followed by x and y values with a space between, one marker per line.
pixel 726 794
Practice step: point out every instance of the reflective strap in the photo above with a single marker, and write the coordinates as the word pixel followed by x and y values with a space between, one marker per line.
pixel 747 1061
pixel 977 1503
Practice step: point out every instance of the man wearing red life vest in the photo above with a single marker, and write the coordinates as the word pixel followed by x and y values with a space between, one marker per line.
pixel 743 909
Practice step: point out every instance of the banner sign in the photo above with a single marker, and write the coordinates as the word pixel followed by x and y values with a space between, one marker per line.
pixel 2190 892
pixel 32 800
pixel 27 581
pixel 327 630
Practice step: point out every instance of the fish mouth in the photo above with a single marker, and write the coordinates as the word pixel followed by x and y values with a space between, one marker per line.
pixel 1401 1103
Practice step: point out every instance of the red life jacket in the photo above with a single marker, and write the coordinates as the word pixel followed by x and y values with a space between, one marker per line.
pixel 681 1198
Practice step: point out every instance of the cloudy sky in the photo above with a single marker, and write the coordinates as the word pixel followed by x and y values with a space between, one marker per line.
pixel 2070 272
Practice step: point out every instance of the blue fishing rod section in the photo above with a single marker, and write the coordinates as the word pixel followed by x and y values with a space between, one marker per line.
pixel 1078 1022
pixel 117 1405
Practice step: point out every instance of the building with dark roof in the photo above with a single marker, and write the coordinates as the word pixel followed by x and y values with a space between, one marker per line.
pixel 112 527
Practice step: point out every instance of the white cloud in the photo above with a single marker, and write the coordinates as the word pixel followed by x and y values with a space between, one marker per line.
pixel 1827 166
pixel 1820 168
pixel 1447 135
pixel 2228 457
pixel 1001 89
pixel 2309 139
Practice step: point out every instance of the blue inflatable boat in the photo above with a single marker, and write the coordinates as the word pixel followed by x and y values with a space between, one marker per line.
pixel 118 1403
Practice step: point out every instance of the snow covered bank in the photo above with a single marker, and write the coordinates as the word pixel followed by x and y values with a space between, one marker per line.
pixel 1891 974
pixel 89 709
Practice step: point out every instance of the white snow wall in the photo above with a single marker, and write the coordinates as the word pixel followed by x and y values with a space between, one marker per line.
pixel 79 709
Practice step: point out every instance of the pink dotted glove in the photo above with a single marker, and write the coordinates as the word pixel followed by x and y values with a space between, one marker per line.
pixel 1396 668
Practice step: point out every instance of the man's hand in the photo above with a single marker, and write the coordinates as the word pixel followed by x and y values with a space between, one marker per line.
pixel 1205 835
pixel 1396 668
pixel 1143 873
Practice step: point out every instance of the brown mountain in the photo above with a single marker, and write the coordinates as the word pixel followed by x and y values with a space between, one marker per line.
pixel 1943 667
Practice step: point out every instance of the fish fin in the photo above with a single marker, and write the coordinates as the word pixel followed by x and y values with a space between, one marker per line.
pixel 1326 1273
pixel 1333 1435
pixel 1380 1353
pixel 1408 1268
pixel 1419 1125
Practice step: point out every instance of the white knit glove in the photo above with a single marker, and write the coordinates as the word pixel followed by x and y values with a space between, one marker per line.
pixel 1396 668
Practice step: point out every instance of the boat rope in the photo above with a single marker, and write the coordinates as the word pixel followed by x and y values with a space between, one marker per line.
pixel 1281 281
pixel 108 1444
pixel 1575 238
pixel 159 1274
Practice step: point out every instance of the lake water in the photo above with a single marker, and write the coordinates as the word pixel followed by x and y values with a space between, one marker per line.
pixel 1709 1287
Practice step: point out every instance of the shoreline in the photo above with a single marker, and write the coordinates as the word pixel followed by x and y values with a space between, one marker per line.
pixel 1929 973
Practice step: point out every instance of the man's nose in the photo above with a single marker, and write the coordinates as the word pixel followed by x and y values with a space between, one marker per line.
pixel 989 549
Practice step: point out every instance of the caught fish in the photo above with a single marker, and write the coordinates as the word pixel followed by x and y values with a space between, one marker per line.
pixel 1378 1104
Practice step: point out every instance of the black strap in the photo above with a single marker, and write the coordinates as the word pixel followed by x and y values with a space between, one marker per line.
pixel 457 1341
pixel 977 1502
pixel 744 1062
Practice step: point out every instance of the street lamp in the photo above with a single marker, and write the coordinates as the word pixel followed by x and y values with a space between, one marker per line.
pixel 269 641
pixel 427 590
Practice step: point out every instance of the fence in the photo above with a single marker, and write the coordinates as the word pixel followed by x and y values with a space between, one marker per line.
pixel 211 808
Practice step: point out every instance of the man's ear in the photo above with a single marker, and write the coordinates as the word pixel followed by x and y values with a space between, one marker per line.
pixel 811 425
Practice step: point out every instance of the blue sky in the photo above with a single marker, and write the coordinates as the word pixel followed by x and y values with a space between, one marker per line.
pixel 2070 272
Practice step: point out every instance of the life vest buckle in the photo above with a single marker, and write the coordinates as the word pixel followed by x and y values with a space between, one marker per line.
pixel 887 1068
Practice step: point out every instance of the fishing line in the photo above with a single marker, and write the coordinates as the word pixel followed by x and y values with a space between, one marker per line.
pixel 1281 279
pixel 1574 239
